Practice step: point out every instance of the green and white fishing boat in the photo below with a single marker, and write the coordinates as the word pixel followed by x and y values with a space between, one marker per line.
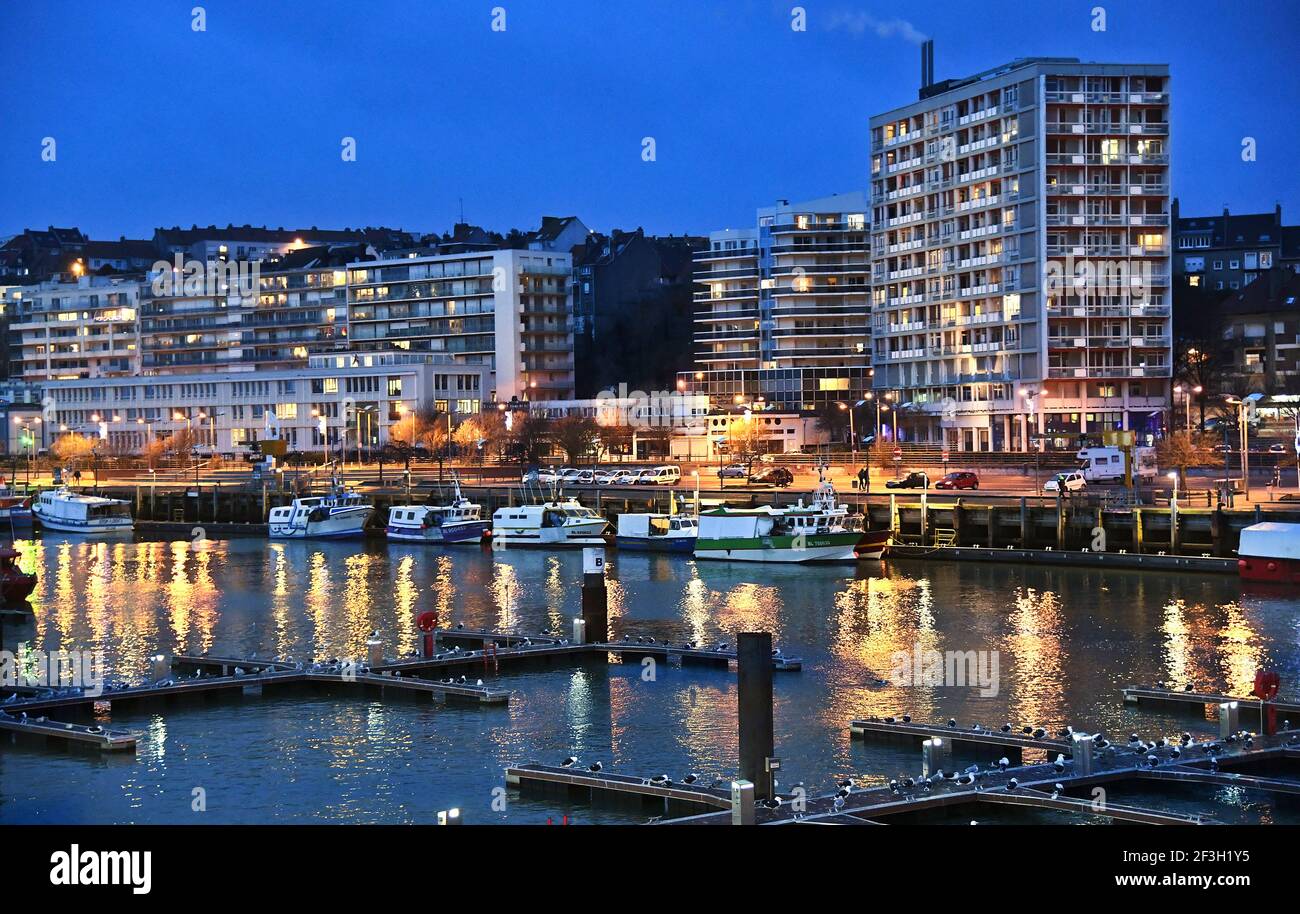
pixel 822 531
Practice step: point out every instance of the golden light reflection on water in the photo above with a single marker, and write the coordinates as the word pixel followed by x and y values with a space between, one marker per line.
pixel 1033 675
pixel 1240 654
pixel 356 603
pixel 282 603
pixel 1179 662
pixel 873 620
pixel 504 591
pixel 696 606
pixel 406 599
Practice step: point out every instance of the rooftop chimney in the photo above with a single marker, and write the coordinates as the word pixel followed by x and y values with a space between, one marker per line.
pixel 927 63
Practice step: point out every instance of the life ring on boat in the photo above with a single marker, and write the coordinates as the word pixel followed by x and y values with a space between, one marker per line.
pixel 1267 684
pixel 426 621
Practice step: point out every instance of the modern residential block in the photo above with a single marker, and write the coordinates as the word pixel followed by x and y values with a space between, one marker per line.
pixel 1020 255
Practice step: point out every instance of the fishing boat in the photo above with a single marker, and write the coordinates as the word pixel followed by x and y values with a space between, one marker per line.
pixel 552 523
pixel 822 531
pixel 342 514
pixel 68 512
pixel 671 532
pixel 15 508
pixel 1270 553
pixel 458 521
pixel 16 585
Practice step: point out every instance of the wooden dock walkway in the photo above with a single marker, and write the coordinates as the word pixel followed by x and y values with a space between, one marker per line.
pixel 1139 694
pixel 1050 786
pixel 875 727
pixel 80 734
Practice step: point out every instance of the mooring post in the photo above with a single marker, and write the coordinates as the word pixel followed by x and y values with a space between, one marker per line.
pixel 754 711
pixel 1229 719
pixel 1060 521
pixel 1024 523
pixel 1137 530
pixel 993 527
pixel 161 667
pixel 595 611
pixel 375 650
pixel 1081 753
pixel 742 803
pixel 579 631
pixel 936 756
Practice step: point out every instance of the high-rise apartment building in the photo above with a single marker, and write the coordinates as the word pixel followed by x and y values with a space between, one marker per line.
pixel 781 311
pixel 1020 244
pixel 85 327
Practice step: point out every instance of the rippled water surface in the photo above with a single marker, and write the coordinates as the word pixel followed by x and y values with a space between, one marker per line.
pixel 1067 640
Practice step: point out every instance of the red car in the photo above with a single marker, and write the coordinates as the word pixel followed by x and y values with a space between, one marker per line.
pixel 959 480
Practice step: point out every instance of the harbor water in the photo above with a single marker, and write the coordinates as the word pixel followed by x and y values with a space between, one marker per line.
pixel 1064 641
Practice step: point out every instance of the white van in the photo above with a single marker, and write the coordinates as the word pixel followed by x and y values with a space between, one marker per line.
pixel 660 476
pixel 1106 464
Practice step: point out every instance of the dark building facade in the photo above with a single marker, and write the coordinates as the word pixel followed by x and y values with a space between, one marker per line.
pixel 633 304
pixel 1228 252
pixel 1261 335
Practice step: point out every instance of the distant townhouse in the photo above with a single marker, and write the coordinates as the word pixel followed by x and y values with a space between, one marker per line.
pixel 1227 252
pixel 1261 335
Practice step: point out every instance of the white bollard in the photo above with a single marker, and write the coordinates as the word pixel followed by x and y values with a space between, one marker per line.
pixel 936 755
pixel 1229 719
pixel 742 803
pixel 375 651
pixel 162 667
pixel 579 631
pixel 1081 753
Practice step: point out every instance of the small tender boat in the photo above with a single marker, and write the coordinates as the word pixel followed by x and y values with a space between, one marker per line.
pixel 552 523
pixel 1270 553
pixel 459 521
pixel 16 585
pixel 66 511
pixel 342 514
pixel 15 509
pixel 657 532
pixel 821 532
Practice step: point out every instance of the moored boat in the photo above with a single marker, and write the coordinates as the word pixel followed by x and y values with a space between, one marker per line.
pixel 552 523
pixel 458 521
pixel 823 531
pixel 16 585
pixel 657 532
pixel 68 512
pixel 1270 553
pixel 15 508
pixel 342 514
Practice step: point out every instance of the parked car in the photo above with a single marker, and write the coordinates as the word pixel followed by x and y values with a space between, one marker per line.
pixel 913 480
pixel 773 476
pixel 659 476
pixel 1066 482
pixel 734 471
pixel 625 478
pixel 1277 448
pixel 962 479
pixel 604 477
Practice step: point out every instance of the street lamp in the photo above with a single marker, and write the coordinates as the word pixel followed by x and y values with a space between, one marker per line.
pixel 1187 401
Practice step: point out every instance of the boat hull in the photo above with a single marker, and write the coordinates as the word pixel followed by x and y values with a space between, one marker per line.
pixel 575 536
pixel 677 544
pixel 447 534
pixel 821 547
pixel 1263 570
pixel 349 524
pixel 872 545
pixel 86 528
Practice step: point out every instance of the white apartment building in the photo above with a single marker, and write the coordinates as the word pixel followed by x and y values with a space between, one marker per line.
pixel 783 310
pixel 337 401
pixel 81 328
pixel 508 311
pixel 1020 245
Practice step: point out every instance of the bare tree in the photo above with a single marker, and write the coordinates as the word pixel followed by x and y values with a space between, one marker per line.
pixel 577 436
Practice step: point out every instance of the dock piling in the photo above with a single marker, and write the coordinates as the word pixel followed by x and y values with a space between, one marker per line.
pixel 936 756
pixel 1229 719
pixel 754 700
pixel 742 803
pixel 1081 753
pixel 595 610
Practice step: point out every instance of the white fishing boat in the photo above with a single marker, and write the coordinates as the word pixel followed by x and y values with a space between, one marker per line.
pixel 552 523
pixel 458 521
pixel 671 532
pixel 68 512
pixel 342 514
pixel 823 531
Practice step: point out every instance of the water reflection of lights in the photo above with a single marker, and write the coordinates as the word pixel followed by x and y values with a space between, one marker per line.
pixel 1177 643
pixel 1242 657
pixel 406 596
pixel 696 606
pixel 504 591
pixel 1035 674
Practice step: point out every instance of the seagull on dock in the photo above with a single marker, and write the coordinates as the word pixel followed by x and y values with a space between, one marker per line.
pixel 907 718
pixel 569 762
pixel 479 683
pixel 660 780
pixel 1059 764
pixel 1057 790
pixel 1004 763
pixel 1006 728
pixel 1012 784
pixel 952 722
pixel 690 778
pixel 1039 733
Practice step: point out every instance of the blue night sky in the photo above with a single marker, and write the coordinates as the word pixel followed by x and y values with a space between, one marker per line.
pixel 158 125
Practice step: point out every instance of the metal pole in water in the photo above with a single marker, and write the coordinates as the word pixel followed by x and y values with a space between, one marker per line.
pixel 1229 719
pixel 595 611
pixel 754 701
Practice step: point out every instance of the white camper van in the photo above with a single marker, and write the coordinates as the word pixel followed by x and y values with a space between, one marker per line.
pixel 1106 464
